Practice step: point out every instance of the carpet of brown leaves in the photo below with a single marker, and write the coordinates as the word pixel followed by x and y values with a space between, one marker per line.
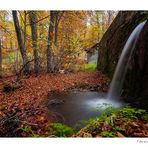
pixel 30 98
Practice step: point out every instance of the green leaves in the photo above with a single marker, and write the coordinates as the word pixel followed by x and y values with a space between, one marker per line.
pixel 118 128
pixel 132 112
pixel 30 132
pixel 114 122
pixel 61 130
pixel 108 134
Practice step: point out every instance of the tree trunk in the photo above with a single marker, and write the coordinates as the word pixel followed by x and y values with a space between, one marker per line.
pixel 50 55
pixel 58 16
pixel 0 58
pixel 20 43
pixel 56 30
pixel 25 27
pixel 33 21
pixel 114 39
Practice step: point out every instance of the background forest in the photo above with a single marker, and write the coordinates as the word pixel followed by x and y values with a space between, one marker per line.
pixel 49 40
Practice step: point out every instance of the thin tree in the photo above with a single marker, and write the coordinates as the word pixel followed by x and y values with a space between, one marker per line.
pixel 21 43
pixel 56 28
pixel 25 28
pixel 58 16
pixel 0 58
pixel 33 20
pixel 50 56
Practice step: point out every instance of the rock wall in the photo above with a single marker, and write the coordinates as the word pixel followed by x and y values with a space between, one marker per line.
pixel 114 39
pixel 110 48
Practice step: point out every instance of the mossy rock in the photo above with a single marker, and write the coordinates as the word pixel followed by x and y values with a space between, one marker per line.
pixel 8 88
pixel 11 87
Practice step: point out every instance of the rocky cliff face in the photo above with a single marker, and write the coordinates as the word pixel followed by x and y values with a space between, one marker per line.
pixel 110 48
pixel 136 84
pixel 113 41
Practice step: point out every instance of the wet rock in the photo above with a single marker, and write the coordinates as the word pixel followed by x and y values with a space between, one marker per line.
pixel 55 102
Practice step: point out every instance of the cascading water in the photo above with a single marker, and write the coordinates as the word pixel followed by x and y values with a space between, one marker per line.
pixel 121 69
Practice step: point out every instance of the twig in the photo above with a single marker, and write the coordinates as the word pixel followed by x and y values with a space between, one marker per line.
pixel 19 73
pixel 28 123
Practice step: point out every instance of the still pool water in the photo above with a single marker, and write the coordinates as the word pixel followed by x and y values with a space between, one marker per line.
pixel 74 107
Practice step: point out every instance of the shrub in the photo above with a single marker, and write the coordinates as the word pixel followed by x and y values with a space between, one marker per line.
pixel 112 121
pixel 132 113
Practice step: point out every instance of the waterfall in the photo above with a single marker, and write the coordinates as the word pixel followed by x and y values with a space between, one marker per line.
pixel 121 69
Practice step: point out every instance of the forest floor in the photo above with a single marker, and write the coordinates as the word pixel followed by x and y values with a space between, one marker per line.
pixel 24 112
pixel 26 105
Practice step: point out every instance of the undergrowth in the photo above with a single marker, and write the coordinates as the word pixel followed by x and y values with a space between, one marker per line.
pixel 113 121
pixel 86 68
pixel 61 130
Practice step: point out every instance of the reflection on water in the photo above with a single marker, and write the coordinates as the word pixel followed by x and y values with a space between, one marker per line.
pixel 78 106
